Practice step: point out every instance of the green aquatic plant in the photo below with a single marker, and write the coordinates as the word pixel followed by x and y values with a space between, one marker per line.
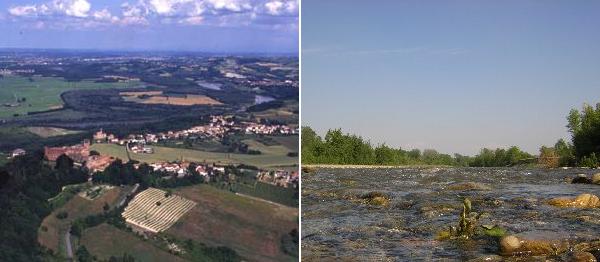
pixel 467 226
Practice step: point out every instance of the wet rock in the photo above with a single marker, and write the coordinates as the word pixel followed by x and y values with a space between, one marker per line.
pixel 376 198
pixel 512 245
pixel 581 201
pixel 468 186
pixel 581 179
pixel 308 169
pixel 436 210
pixel 596 179
pixel 582 257
pixel 487 258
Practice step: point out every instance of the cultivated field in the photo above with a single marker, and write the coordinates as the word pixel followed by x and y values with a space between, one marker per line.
pixel 265 149
pixel 161 154
pixel 251 227
pixel 50 131
pixel 104 241
pixel 291 142
pixel 155 211
pixel 40 93
pixel 52 230
pixel 157 97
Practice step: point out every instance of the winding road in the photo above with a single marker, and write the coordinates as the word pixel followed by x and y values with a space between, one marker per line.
pixel 68 244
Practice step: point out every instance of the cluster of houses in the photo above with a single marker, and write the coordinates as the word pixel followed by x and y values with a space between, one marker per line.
pixel 181 169
pixel 7 72
pixel 261 129
pixel 217 128
pixel 279 178
pixel 79 153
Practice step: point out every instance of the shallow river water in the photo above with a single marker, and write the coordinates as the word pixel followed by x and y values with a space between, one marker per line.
pixel 336 224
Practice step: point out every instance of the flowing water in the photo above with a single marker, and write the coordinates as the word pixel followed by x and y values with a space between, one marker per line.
pixel 426 200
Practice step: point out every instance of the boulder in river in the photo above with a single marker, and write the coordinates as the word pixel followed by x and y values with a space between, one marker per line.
pixel 581 201
pixel 579 256
pixel 596 179
pixel 513 245
pixel 581 179
pixel 376 198
pixel 468 186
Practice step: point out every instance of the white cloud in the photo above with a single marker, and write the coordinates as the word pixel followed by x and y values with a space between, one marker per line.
pixel 230 13
pixel 274 7
pixel 25 10
pixel 104 15
pixel 231 5
pixel 281 7
pixel 74 8
pixel 192 20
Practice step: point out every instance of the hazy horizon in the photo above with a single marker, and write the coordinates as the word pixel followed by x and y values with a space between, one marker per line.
pixel 452 76
pixel 220 26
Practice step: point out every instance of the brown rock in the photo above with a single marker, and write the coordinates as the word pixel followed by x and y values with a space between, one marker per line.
pixel 581 201
pixel 582 257
pixel 468 186
pixel 596 179
pixel 510 244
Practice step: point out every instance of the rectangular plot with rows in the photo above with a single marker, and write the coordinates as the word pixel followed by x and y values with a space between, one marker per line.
pixel 154 210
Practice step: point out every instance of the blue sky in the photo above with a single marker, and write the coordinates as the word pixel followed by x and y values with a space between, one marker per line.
pixel 455 76
pixel 193 25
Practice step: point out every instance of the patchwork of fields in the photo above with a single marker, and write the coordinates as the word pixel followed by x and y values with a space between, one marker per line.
pixel 157 97
pixel 41 93
pixel 163 154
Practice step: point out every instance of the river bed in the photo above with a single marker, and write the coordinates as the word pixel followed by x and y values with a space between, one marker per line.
pixel 426 200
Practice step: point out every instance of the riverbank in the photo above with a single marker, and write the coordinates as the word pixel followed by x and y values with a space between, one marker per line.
pixel 310 167
pixel 313 166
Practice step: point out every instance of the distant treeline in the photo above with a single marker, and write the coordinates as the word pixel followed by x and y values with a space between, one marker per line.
pixel 339 148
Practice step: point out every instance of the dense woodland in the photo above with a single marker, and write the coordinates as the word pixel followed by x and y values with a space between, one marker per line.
pixel 339 148
pixel 25 185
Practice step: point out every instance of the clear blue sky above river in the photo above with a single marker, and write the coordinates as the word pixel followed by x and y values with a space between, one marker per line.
pixel 269 26
pixel 455 76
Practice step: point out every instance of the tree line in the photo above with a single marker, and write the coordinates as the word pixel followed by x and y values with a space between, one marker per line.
pixel 337 147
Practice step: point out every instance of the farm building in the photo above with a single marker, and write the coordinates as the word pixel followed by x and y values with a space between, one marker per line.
pixel 79 153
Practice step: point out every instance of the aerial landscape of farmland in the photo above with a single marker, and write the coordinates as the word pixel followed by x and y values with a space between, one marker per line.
pixel 145 148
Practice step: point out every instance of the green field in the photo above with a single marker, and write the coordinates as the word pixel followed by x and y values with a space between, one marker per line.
pixel 3 159
pixel 253 228
pixel 104 241
pixel 161 154
pixel 52 230
pixel 41 93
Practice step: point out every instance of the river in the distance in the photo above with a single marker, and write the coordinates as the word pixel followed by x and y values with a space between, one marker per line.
pixel 426 200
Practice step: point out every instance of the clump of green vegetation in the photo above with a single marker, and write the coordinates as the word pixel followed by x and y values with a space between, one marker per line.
pixel 467 226
pixel 62 215
pixel 376 199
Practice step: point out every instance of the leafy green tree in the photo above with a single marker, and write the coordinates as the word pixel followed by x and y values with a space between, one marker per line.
pixel 584 127
pixel 83 255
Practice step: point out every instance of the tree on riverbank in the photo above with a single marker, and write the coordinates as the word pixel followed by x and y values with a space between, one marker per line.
pixel 584 127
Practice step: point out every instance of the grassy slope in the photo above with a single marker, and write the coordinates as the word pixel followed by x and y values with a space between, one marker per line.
pixel 101 242
pixel 267 161
pixel 42 94
pixel 251 227
pixel 77 207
